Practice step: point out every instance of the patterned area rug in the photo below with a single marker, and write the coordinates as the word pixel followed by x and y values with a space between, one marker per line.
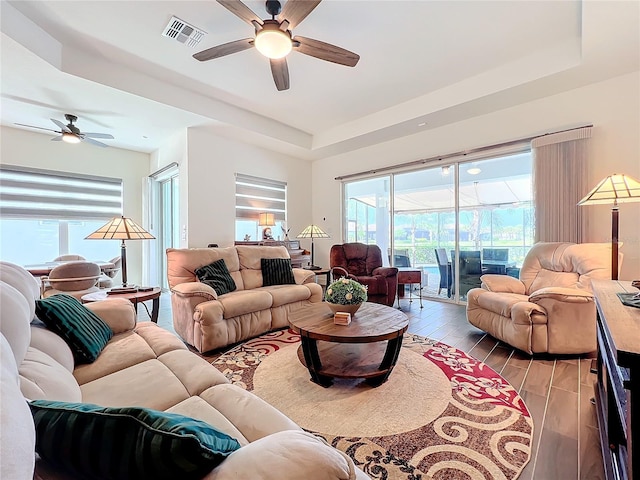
pixel 441 414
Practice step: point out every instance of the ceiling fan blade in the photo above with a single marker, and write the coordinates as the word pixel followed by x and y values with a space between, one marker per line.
pixel 93 142
pixel 62 126
pixel 240 10
pixel 98 135
pixel 224 49
pixel 41 128
pixel 280 73
pixel 57 139
pixel 294 11
pixel 325 51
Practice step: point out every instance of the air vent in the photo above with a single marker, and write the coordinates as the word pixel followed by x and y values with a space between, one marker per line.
pixel 183 32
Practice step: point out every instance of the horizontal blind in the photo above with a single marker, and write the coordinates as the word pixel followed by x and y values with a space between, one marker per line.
pixel 35 193
pixel 255 195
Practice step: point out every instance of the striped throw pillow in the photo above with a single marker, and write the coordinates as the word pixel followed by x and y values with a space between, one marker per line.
pixel 276 271
pixel 93 442
pixel 217 276
pixel 85 332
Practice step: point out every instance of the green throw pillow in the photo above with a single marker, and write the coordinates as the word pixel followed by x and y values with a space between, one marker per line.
pixel 217 276
pixel 276 271
pixel 85 332
pixel 93 442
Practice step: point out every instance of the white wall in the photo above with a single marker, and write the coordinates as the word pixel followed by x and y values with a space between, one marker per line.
pixel 213 162
pixel 24 148
pixel 611 106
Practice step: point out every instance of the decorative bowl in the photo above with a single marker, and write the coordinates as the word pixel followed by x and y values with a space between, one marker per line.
pixel 352 308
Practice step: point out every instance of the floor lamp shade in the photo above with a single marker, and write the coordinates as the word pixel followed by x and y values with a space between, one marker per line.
pixel 313 231
pixel 613 190
pixel 121 228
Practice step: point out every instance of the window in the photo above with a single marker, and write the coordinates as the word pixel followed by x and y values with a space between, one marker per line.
pixel 255 196
pixel 45 214
pixel 469 206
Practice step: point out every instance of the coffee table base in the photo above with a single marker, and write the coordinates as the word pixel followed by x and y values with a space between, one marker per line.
pixel 328 360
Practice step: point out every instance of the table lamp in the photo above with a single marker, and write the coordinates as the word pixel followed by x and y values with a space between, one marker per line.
pixel 614 189
pixel 313 231
pixel 121 228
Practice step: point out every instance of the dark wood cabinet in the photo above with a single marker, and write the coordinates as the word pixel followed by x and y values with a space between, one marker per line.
pixel 617 391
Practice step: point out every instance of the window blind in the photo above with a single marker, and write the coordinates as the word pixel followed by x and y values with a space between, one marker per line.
pixel 35 193
pixel 255 195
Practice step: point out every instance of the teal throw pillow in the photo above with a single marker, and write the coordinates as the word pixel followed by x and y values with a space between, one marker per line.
pixel 93 442
pixel 217 276
pixel 276 271
pixel 85 332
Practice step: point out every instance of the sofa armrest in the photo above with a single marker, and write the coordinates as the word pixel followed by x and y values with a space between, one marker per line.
pixel 561 294
pixel 502 283
pixel 303 276
pixel 287 454
pixel 118 313
pixel 195 289
pixel 385 271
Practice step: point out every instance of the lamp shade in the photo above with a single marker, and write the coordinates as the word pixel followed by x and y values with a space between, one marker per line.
pixel 313 231
pixel 120 228
pixel 613 189
pixel 267 220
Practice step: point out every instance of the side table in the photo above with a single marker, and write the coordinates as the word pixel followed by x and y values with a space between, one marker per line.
pixel 409 276
pixel 134 297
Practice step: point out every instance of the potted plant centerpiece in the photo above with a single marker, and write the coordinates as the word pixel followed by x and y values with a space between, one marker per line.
pixel 345 295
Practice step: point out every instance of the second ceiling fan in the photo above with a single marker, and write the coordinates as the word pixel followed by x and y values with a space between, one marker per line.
pixel 274 39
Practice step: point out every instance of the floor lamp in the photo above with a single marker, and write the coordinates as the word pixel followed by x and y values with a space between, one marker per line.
pixel 613 189
pixel 121 228
pixel 313 231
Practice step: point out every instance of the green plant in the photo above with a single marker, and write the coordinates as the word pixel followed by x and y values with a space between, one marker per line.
pixel 346 292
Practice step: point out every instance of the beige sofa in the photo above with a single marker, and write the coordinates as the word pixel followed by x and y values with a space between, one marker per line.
pixel 207 320
pixel 142 365
pixel 550 309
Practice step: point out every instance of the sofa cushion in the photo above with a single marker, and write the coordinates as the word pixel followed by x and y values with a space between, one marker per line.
pixel 42 377
pixel 246 301
pixel 288 294
pixel 149 444
pixel 217 276
pixel 288 455
pixel 85 333
pixel 277 271
pixel 160 389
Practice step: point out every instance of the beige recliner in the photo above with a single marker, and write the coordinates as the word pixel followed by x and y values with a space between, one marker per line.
pixel 550 309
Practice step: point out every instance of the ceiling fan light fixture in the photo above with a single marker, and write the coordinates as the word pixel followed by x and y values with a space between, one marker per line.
pixel 70 138
pixel 273 43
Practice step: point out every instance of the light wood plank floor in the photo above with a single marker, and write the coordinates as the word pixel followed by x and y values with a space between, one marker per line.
pixel 556 390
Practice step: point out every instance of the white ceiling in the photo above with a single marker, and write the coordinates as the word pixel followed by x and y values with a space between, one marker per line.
pixel 431 62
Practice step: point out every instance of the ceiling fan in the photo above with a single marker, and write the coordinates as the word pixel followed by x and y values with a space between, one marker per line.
pixel 71 134
pixel 274 39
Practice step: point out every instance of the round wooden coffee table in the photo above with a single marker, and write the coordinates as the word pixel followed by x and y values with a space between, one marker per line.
pixel 349 351
pixel 134 297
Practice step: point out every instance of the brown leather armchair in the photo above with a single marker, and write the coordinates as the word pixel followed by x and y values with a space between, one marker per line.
pixel 363 263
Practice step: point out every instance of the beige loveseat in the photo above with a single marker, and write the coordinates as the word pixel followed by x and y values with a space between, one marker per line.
pixel 207 320
pixel 146 366
pixel 550 309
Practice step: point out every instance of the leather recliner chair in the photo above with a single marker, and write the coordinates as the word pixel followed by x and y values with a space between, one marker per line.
pixel 550 308
pixel 363 263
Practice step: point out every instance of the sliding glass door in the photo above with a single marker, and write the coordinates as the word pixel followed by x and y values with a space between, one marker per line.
pixel 454 223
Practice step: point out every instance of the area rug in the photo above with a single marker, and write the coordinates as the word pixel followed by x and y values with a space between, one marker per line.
pixel 441 414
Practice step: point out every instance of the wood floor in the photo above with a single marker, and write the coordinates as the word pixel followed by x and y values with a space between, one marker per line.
pixel 557 391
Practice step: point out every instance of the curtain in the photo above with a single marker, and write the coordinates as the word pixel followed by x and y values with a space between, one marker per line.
pixel 559 182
